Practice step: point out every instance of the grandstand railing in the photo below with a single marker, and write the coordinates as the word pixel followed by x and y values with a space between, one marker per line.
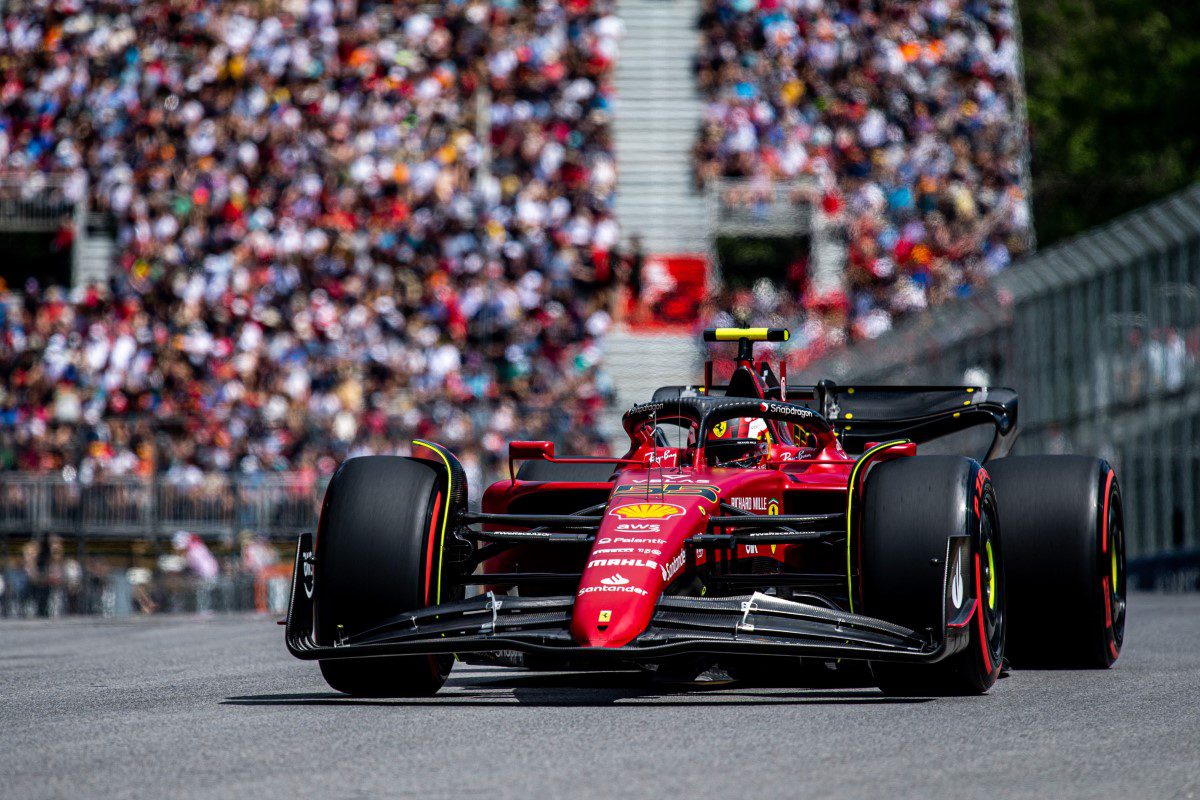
pixel 278 506
pixel 752 207
pixel 1100 336
pixel 39 202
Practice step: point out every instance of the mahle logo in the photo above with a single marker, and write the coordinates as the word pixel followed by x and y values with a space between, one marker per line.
pixel 648 511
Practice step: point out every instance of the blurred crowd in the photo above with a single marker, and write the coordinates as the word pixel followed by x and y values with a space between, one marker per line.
pixel 319 257
pixel 903 115
pixel 50 577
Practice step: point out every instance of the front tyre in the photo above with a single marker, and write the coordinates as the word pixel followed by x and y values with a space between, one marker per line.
pixel 378 554
pixel 910 507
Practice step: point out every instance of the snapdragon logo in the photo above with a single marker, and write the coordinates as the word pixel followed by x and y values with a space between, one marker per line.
pixel 790 411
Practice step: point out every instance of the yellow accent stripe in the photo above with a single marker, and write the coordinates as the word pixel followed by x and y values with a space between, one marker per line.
pixel 753 334
pixel 991 575
pixel 1114 567
pixel 445 517
pixel 850 502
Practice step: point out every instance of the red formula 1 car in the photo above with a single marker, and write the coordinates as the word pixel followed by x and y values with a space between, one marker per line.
pixel 751 527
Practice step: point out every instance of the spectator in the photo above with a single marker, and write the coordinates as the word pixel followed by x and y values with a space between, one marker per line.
pixel 905 114
pixel 316 260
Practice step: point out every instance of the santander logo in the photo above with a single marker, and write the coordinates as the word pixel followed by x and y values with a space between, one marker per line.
pixel 616 579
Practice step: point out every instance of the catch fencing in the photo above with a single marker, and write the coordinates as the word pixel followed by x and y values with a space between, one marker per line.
pixel 214 506
pixel 1100 336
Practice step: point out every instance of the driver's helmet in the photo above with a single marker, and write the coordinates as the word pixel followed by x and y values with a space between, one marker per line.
pixel 739 442
pixel 741 428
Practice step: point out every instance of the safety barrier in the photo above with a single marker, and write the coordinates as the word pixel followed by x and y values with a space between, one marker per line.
pixel 277 506
pixel 39 202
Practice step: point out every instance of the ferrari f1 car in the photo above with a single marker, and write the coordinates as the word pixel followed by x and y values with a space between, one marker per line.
pixel 752 526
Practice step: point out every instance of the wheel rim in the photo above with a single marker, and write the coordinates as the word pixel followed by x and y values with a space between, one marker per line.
pixel 1115 570
pixel 991 590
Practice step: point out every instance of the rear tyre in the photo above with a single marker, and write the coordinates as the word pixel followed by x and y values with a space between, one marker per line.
pixel 1064 539
pixel 377 555
pixel 910 507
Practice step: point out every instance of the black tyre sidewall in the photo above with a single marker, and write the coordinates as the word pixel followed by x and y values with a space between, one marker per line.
pixel 1057 558
pixel 374 550
pixel 910 506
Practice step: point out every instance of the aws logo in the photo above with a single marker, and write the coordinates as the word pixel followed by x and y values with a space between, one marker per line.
pixel 647 511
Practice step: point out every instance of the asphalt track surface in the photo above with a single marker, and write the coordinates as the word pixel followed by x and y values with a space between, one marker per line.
pixel 195 707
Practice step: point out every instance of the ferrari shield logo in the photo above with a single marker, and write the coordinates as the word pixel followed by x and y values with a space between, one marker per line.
pixel 605 616
pixel 720 428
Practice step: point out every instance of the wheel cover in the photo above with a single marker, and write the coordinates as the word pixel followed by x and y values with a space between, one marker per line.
pixel 1116 571
pixel 991 589
pixel 990 573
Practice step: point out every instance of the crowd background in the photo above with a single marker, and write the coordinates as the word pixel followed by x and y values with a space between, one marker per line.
pixel 320 254
pixel 906 119
pixel 343 225
pixel 49 577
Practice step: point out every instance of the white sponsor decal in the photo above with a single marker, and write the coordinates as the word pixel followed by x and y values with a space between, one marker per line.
pixel 308 572
pixel 616 579
pixel 622 562
pixel 791 411
pixel 956 584
pixel 663 459
pixel 638 527
pixel 671 479
pixel 749 503
pixel 649 551
pixel 751 549
pixel 627 540
pixel 669 570
pixel 625 589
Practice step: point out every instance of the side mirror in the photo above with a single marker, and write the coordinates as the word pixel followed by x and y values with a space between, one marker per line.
pixel 527 451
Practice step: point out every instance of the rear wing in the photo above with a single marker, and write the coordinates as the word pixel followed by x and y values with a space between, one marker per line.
pixel 864 414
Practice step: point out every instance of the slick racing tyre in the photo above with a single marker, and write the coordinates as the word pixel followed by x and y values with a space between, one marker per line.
pixel 377 555
pixel 910 507
pixel 1064 554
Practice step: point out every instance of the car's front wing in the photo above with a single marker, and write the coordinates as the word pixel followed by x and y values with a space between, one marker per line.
pixel 755 624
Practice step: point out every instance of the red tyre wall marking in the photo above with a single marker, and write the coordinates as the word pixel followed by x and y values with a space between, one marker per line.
pixel 983 639
pixel 437 506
